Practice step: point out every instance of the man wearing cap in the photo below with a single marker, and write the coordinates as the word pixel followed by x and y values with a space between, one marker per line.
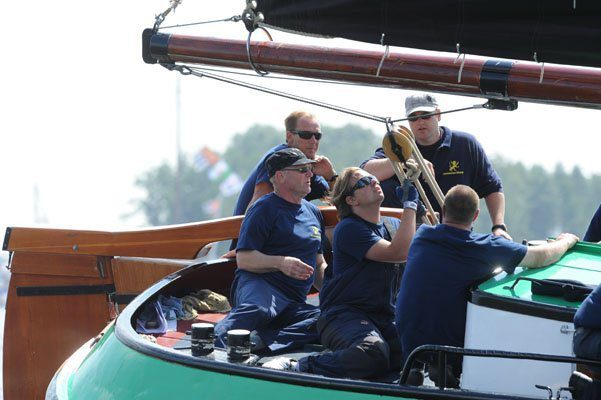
pixel 279 257
pixel 457 158
pixel 304 133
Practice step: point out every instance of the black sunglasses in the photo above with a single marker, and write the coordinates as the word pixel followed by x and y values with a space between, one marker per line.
pixel 365 181
pixel 307 134
pixel 302 170
pixel 421 116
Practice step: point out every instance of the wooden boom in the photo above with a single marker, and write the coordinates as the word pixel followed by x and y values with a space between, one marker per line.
pixel 437 72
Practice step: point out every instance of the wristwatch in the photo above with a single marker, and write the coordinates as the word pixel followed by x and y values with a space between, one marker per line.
pixel 499 226
pixel 333 178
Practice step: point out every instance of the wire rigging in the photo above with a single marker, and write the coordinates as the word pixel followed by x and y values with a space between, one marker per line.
pixel 200 73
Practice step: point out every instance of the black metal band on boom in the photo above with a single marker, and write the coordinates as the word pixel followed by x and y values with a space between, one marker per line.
pixel 154 47
pixel 494 77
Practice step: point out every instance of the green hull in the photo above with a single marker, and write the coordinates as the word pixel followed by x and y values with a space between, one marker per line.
pixel 112 370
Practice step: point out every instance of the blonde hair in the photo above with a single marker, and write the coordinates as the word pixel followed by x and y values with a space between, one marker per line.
pixel 292 119
pixel 342 189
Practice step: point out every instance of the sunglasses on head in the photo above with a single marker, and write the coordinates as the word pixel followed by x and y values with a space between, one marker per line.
pixel 365 181
pixel 413 118
pixel 307 134
pixel 302 170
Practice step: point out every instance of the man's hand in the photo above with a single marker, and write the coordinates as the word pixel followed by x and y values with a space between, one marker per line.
pixel 323 167
pixel 413 172
pixel 229 254
pixel 407 195
pixel 572 239
pixel 501 232
pixel 295 268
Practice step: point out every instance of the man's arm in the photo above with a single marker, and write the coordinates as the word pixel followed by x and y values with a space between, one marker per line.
pixel 380 168
pixel 260 263
pixel 396 250
pixel 495 202
pixel 320 267
pixel 261 189
pixel 546 254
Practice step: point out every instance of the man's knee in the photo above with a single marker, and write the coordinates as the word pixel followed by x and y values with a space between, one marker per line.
pixel 587 343
pixel 244 316
pixel 375 354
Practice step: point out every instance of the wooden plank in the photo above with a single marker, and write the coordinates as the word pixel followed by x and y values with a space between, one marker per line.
pixel 134 275
pixel 177 241
pixel 43 331
pixel 56 264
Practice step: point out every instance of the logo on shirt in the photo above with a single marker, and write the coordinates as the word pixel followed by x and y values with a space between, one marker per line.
pixel 315 233
pixel 453 168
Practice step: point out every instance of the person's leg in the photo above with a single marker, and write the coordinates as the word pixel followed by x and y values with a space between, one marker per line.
pixel 294 327
pixel 256 305
pixel 358 349
pixel 587 344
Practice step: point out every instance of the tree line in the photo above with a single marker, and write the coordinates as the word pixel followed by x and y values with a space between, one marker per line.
pixel 539 203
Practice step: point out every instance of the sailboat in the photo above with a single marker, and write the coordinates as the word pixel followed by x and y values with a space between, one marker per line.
pixel 66 285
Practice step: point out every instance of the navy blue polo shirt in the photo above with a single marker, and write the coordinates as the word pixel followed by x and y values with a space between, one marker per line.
pixel 277 227
pixel 259 174
pixel 593 233
pixel 458 158
pixel 589 313
pixel 443 264
pixel 354 281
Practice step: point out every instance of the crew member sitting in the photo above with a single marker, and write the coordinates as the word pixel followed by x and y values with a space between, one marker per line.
pixel 357 299
pixel 587 344
pixel 444 262
pixel 279 257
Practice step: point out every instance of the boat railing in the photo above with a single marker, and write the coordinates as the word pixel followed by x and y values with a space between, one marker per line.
pixel 441 353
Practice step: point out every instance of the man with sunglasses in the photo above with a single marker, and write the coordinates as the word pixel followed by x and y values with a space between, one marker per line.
pixel 279 257
pixel 357 298
pixel 444 262
pixel 304 133
pixel 457 158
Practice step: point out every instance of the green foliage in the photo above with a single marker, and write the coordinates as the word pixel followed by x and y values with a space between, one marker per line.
pixel 539 203
pixel 348 146
pixel 160 205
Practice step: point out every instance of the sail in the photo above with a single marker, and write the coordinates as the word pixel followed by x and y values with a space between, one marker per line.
pixel 555 31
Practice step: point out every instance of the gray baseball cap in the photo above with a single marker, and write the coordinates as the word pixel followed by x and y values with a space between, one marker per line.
pixel 420 102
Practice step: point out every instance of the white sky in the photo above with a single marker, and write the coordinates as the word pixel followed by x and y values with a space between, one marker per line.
pixel 83 116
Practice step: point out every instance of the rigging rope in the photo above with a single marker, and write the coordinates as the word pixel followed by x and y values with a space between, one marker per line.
pixel 201 72
pixel 187 70
pixel 235 18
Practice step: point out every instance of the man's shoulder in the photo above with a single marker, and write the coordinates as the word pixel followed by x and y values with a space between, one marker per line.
pixel 273 150
pixel 311 207
pixel 460 136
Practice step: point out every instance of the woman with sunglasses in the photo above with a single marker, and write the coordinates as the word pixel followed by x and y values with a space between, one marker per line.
pixel 357 297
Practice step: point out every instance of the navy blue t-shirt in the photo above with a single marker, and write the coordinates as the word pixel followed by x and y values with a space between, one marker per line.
pixel 354 281
pixel 277 227
pixel 589 312
pixel 443 264
pixel 459 159
pixel 259 174
pixel 593 233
